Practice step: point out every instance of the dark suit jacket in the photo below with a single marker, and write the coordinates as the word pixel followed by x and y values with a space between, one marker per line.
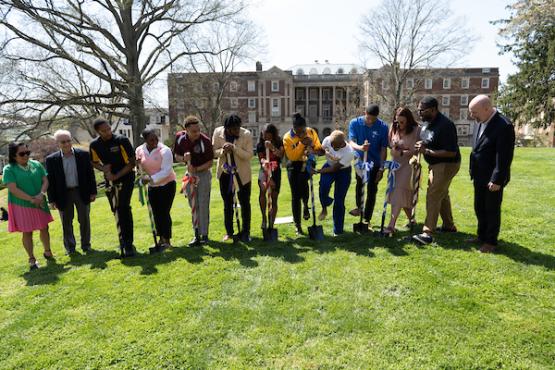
pixel 57 188
pixel 492 153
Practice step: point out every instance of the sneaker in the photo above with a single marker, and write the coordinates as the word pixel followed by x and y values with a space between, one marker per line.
pixel 204 239
pixel 195 242
pixel 354 212
pixel 423 238
pixel 298 230
pixel 306 213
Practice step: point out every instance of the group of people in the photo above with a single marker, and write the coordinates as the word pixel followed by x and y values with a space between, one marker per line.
pixel 67 181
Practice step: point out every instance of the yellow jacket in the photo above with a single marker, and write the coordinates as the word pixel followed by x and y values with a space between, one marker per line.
pixel 294 149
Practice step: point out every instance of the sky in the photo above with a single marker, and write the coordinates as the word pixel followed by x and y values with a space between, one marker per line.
pixel 302 31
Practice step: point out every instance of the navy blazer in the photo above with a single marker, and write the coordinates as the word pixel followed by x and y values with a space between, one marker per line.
pixel 57 188
pixel 492 153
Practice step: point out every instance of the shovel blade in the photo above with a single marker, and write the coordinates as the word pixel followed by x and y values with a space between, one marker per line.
pixel 316 232
pixel 270 235
pixel 360 228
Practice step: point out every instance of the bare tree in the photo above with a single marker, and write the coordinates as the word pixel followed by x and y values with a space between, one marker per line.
pixel 210 73
pixel 119 47
pixel 405 35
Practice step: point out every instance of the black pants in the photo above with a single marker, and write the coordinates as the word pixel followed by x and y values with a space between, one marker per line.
pixel 371 190
pixel 123 210
pixel 161 200
pixel 244 196
pixel 487 205
pixel 298 180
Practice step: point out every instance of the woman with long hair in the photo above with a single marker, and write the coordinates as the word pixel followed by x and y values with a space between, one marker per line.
pixel 404 133
pixel 269 139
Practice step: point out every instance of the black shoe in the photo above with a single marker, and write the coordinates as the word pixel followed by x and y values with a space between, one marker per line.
pixel 299 230
pixel 306 213
pixel 195 242
pixel 204 239
pixel 128 251
pixel 87 249
pixel 246 238
pixel 423 238
pixel 71 252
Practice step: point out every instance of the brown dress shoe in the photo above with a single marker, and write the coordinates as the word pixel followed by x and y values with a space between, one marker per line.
pixel 487 248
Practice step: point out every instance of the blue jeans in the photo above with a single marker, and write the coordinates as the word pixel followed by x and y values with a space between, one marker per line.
pixel 342 179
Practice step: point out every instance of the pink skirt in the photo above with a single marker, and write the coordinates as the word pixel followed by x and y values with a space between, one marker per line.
pixel 24 219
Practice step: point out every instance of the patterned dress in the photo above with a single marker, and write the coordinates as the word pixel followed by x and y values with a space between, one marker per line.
pixel 24 216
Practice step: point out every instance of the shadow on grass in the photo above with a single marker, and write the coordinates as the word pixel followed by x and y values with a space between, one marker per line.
pixel 45 275
pixel 245 254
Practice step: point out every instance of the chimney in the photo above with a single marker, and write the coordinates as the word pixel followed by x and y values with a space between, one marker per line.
pixel 327 62
pixel 258 66
pixel 316 61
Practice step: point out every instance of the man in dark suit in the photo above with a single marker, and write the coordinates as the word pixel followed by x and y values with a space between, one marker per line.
pixel 490 163
pixel 71 184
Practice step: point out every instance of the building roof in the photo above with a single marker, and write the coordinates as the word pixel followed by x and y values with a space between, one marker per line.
pixel 325 69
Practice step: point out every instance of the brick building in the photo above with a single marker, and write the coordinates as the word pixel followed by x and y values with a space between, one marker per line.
pixel 328 95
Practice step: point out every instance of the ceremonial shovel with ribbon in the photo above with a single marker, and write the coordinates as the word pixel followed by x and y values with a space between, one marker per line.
pixel 362 168
pixel 315 232
pixel 189 184
pixel 231 169
pixel 391 166
pixel 269 233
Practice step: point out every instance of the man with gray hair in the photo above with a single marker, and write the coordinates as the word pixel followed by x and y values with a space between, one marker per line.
pixel 71 184
pixel 490 164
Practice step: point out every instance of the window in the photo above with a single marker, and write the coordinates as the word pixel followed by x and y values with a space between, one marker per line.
pixel 428 84
pixel 162 120
pixel 299 94
pixel 300 109
pixel 251 86
pixel 233 86
pixel 300 71
pixel 485 70
pixel 313 94
pixel 339 94
pixel 410 83
pixel 462 130
pixel 276 111
pixel 465 82
pixel 445 112
pixel 252 117
pixel 326 111
pixel 326 71
pixel 340 71
pixel 446 83
pixel 326 94
pixel 463 115
pixel 252 103
pixel 234 102
pixel 485 83
pixel 464 100
pixel 275 86
pixel 445 101
pixel 384 85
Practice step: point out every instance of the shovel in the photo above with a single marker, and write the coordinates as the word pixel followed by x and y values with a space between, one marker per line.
pixel 143 199
pixel 240 236
pixel 315 232
pixel 269 233
pixel 391 166
pixel 362 227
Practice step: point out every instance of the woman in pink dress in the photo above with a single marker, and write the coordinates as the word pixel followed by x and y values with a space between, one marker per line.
pixel 27 205
pixel 404 133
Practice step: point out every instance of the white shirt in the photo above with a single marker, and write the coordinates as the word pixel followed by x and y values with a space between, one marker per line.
pixel 344 156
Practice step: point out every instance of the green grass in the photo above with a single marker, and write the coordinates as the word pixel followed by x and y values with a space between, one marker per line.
pixel 352 301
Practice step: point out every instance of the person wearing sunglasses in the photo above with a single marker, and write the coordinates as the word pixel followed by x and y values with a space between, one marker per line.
pixel 27 182
pixel 72 186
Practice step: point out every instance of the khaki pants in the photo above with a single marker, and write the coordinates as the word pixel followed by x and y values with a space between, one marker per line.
pixel 437 197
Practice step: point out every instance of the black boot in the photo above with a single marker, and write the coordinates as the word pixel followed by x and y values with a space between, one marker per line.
pixel 196 240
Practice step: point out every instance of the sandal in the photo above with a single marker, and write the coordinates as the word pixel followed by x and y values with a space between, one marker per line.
pixel 388 231
pixel 48 255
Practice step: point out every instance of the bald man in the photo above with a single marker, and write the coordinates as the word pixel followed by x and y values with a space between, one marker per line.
pixel 490 163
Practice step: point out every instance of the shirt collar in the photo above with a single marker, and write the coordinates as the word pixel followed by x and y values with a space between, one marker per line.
pixel 490 117
pixel 72 152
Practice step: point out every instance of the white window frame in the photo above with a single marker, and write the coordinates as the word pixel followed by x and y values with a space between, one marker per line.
pixel 276 108
pixel 233 102
pixel 275 86
pixel 252 116
pixel 486 84
pixel 446 83
pixel 233 86
pixel 463 84
pixel 463 114
pixel 410 83
pixel 445 101
pixel 428 83
pixel 251 85
pixel 252 103
pixel 464 100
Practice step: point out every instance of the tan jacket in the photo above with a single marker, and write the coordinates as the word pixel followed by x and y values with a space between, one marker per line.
pixel 242 153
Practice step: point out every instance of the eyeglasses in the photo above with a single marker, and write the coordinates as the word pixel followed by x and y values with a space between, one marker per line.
pixel 24 154
pixel 65 141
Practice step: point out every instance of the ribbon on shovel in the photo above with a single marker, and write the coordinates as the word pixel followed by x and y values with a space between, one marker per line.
pixel 268 168
pixel 362 169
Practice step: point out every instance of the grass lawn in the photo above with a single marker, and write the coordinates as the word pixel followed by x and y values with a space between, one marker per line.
pixel 351 301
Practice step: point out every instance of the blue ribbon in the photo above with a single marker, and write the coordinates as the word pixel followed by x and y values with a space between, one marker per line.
pixel 310 163
pixel 363 169
pixel 230 169
pixel 392 166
